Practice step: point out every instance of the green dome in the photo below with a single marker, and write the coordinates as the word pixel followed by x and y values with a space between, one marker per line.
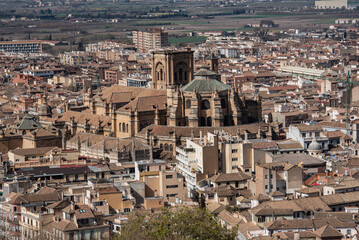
pixel 207 85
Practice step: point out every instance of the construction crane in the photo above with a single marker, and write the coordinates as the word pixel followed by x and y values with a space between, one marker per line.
pixel 348 84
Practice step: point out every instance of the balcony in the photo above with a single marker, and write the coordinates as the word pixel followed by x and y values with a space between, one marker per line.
pixel 309 139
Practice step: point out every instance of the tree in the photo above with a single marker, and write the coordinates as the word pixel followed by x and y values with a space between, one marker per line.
pixel 175 223
pixel 80 46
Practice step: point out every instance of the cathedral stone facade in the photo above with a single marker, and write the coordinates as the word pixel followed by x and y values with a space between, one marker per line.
pixel 198 99
pixel 171 68
pixel 207 102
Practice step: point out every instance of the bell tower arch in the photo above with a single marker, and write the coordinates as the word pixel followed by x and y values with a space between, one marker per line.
pixel 171 68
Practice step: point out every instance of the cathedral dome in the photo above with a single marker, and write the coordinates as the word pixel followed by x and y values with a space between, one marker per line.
pixel 205 81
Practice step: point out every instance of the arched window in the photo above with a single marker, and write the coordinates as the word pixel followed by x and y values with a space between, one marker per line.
pixel 209 121
pixel 166 147
pixel 171 147
pixel 226 120
pixel 161 146
pixel 159 72
pixel 126 127
pixel 123 127
pixel 119 127
pixel 206 105
pixel 186 121
pixel 203 121
pixel 188 104
pixel 223 103
pixel 181 73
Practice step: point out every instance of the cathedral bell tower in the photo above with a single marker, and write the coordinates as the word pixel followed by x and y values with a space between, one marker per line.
pixel 171 68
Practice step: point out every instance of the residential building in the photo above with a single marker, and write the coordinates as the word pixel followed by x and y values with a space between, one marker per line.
pixel 150 39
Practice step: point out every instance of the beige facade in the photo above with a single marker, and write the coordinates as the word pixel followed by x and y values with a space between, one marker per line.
pixel 166 184
pixel 331 4
pixel 75 58
pixel 280 176
pixel 171 68
pixel 150 39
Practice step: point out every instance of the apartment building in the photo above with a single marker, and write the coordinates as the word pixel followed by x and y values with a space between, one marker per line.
pixel 198 158
pixel 235 155
pixel 21 47
pixel 41 73
pixel 75 58
pixel 150 39
pixel 308 134
pixel 161 182
pixel 77 221
pixel 277 176
pixel 113 75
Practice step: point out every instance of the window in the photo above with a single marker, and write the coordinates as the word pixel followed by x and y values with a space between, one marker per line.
pixel 169 176
pixel 349 232
pixel 127 210
pixel 303 135
pixel 188 104
pixel 271 176
pixel 172 186
pixel 265 176
pixel 223 103
pixel 266 186
pixel 234 159
pixel 205 105
pixel 209 121
pixel 261 219
pixel 102 233
pixel 82 210
pixel 234 150
pixel 171 195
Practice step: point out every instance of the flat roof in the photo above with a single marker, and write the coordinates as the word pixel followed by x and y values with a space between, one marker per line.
pixel 301 70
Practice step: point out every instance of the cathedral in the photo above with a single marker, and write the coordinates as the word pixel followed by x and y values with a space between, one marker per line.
pixel 199 99
pixel 179 97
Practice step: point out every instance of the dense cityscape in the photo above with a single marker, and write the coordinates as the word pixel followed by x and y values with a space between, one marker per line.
pixel 179 120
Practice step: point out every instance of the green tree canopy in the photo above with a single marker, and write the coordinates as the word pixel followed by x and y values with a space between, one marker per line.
pixel 175 223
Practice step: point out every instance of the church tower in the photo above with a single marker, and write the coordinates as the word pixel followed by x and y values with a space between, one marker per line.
pixel 171 68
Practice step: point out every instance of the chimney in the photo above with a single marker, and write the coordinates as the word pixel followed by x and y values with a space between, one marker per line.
pixel 72 206
pixel 151 149
pixel 246 136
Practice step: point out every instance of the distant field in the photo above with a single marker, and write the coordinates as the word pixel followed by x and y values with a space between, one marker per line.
pixel 263 16
pixel 176 40
pixel 197 16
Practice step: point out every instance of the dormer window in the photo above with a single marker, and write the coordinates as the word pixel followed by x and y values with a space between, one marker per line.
pixel 82 210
